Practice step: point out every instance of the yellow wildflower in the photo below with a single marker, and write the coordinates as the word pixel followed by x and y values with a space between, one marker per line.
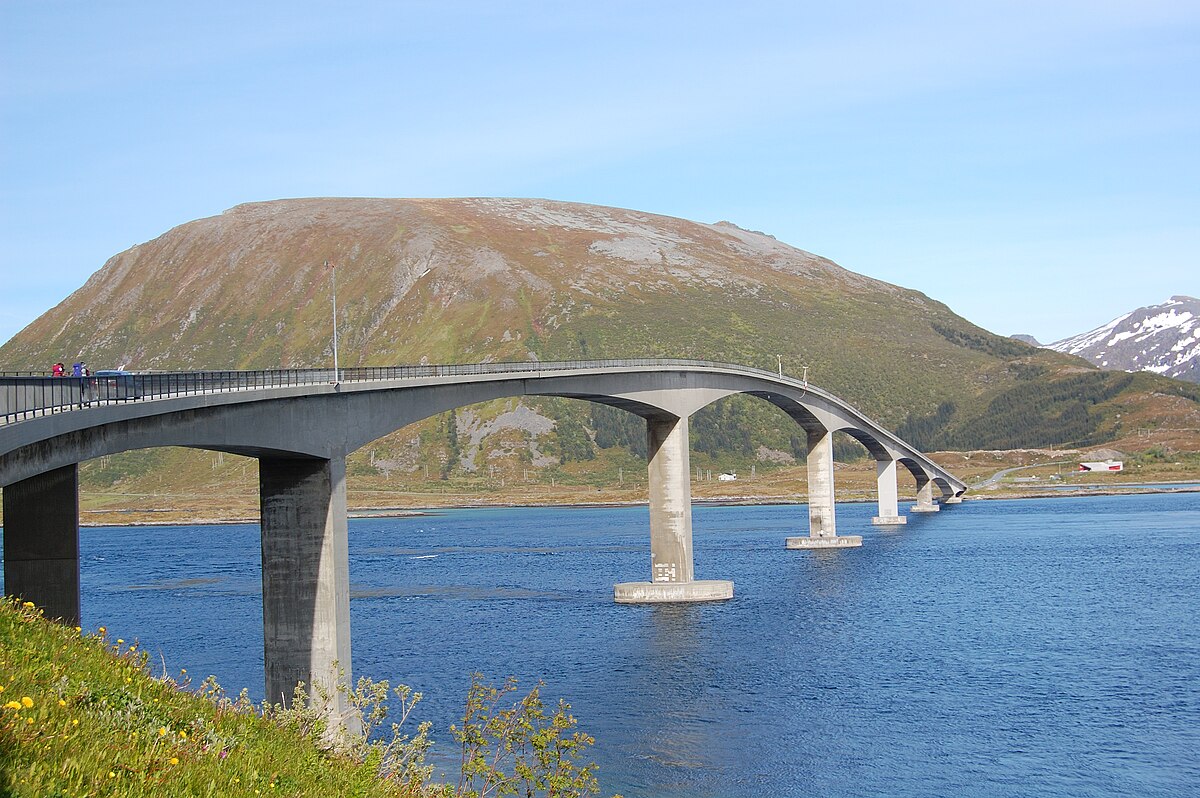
pixel 1 688
pixel 29 721
pixel 75 722
pixel 28 605
pixel 62 702
pixel 162 731
pixel 112 775
pixel 27 702
pixel 174 760
pixel 182 734
pixel 120 640
pixel 13 705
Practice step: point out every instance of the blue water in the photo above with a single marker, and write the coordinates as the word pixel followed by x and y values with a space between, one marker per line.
pixel 999 648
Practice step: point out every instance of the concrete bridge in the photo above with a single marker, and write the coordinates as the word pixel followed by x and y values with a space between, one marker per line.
pixel 301 424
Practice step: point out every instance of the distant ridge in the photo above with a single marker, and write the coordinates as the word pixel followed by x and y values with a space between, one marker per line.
pixel 1163 339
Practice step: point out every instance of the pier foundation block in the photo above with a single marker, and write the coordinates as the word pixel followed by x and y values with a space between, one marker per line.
pixel 839 542
pixel 672 592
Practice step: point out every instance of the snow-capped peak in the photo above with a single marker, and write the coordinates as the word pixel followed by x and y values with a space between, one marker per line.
pixel 1161 338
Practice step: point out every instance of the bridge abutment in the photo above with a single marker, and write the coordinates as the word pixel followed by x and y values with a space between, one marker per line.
pixel 671 568
pixel 822 523
pixel 306 583
pixel 41 542
pixel 889 504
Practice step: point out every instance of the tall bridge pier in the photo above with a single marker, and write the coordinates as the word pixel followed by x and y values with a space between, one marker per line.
pixel 889 504
pixel 671 565
pixel 822 521
pixel 41 542
pixel 305 579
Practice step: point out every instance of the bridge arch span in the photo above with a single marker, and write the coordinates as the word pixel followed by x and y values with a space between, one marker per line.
pixel 302 432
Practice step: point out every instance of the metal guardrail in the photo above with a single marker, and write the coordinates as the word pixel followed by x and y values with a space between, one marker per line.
pixel 32 394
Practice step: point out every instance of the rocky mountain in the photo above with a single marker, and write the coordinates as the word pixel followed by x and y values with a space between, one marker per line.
pixel 470 280
pixel 1026 339
pixel 1163 339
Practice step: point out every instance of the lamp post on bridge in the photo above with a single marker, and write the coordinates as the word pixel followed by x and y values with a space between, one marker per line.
pixel 333 281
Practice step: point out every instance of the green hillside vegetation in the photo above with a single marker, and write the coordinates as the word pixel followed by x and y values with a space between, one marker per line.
pixel 468 280
pixel 83 716
pixel 1077 410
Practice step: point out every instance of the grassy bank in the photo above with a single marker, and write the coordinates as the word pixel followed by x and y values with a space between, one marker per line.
pixel 83 717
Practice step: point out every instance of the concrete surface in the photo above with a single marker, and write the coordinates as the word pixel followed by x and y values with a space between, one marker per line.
pixel 306 579
pixel 669 472
pixel 841 542
pixel 41 542
pixel 672 592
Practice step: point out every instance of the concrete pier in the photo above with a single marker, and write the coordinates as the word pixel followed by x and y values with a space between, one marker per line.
pixel 670 500
pixel 925 502
pixel 671 570
pixel 41 542
pixel 306 581
pixel 822 526
pixel 889 505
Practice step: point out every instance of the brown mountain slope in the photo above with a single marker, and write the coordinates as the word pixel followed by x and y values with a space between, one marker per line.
pixel 437 279
pixel 466 280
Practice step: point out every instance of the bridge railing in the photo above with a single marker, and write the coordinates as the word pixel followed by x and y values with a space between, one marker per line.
pixel 25 395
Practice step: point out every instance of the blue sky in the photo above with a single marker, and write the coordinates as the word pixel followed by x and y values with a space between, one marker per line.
pixel 1035 166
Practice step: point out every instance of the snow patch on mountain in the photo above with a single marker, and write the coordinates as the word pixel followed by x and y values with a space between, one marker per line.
pixel 1164 339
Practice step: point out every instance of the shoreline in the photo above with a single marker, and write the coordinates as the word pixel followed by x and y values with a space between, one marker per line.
pixel 1120 489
